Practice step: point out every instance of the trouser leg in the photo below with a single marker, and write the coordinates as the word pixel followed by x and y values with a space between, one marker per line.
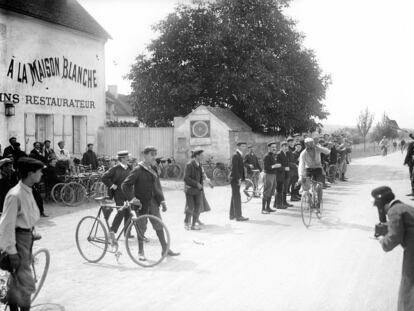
pixel 411 178
pixel 235 204
pixel 279 193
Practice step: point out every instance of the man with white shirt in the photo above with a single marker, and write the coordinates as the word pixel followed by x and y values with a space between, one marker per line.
pixel 20 214
pixel 63 159
pixel 113 179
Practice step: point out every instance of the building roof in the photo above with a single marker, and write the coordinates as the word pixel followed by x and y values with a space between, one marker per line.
pixel 68 13
pixel 122 107
pixel 229 118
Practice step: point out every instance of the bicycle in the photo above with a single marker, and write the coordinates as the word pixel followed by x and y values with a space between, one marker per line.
pixel 248 187
pixel 40 266
pixel 93 241
pixel 167 168
pixel 310 201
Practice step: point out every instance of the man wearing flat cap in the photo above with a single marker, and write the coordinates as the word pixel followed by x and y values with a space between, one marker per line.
pixel 269 179
pixel 400 232
pixel 8 179
pixel 282 176
pixel 143 187
pixel 237 175
pixel 113 179
pixel 20 215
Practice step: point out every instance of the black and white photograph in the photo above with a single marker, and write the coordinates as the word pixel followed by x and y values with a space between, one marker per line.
pixel 206 155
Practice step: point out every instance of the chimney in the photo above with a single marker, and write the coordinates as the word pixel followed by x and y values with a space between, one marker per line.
pixel 113 89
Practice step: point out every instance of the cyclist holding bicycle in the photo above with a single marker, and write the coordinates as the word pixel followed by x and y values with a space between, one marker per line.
pixel 310 163
pixel 142 188
pixel 253 169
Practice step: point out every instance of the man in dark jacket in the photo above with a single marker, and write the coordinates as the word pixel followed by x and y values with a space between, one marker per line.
pixel 409 160
pixel 10 149
pixel 400 232
pixel 294 175
pixel 269 178
pixel 89 158
pixel 17 154
pixel 143 187
pixel 253 169
pixel 113 179
pixel 237 175
pixel 49 153
pixel 8 179
pixel 37 153
pixel 282 177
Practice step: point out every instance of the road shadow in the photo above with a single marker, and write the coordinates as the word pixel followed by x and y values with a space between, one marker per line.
pixel 215 229
pixel 47 307
pixel 266 223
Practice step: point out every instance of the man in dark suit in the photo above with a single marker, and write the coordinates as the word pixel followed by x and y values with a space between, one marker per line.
pixel 37 153
pixel 282 176
pixel 10 149
pixel 253 169
pixel 143 187
pixel 8 179
pixel 113 179
pixel 89 158
pixel 237 175
pixel 269 178
pixel 409 160
pixel 400 232
pixel 49 153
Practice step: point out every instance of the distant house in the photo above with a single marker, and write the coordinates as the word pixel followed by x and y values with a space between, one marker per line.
pixel 118 107
pixel 215 130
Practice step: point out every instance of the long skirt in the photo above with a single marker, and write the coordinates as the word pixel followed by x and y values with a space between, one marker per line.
pixel 22 284
pixel 204 206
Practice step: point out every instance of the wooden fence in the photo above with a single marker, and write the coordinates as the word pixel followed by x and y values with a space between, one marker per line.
pixel 134 139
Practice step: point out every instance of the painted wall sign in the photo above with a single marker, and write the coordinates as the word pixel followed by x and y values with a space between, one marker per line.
pixel 200 128
pixel 50 67
pixel 47 101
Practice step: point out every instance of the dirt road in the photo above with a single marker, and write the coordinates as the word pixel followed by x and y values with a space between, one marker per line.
pixel 271 262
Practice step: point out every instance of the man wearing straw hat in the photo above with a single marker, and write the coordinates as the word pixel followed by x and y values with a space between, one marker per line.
pixel 113 179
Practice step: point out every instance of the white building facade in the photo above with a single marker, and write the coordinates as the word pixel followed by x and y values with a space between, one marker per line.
pixel 54 76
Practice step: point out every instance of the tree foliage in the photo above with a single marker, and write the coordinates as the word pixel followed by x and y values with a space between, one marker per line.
pixel 244 55
pixel 364 123
pixel 382 129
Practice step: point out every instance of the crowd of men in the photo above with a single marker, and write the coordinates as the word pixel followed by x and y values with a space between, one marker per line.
pixel 56 164
pixel 282 169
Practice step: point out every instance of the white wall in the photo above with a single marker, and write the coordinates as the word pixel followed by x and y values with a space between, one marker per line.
pixel 26 39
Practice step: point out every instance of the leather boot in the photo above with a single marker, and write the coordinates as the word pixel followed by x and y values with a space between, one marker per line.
pixel 285 203
pixel 270 210
pixel 264 209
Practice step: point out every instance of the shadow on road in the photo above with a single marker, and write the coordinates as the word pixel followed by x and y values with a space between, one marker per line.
pixel 48 307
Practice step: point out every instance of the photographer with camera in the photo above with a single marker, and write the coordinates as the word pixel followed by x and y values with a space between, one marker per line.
pixel 400 232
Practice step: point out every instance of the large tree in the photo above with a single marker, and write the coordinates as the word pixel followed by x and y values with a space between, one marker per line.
pixel 384 128
pixel 241 54
pixel 364 123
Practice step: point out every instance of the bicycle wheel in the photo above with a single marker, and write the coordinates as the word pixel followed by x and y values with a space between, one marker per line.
pixel 306 208
pixel 78 194
pixel 40 267
pixel 55 193
pixel 146 241
pixel 247 190
pixel 173 171
pixel 98 189
pixel 91 239
pixel 220 176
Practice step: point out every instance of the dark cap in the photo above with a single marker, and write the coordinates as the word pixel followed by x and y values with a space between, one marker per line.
pixel 149 149
pixel 241 143
pixel 284 143
pixel 29 164
pixel 250 146
pixel 289 139
pixel 271 143
pixel 383 194
pixel 196 152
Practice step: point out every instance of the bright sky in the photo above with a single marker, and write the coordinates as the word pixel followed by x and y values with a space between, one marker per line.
pixel 367 47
